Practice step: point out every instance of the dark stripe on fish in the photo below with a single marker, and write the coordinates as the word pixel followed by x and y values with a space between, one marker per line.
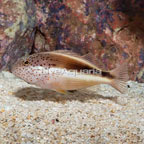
pixel 83 68
pixel 107 74
pixel 71 64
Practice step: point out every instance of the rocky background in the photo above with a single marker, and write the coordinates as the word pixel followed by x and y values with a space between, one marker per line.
pixel 113 30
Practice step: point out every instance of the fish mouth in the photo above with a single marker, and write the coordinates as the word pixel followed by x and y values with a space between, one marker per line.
pixel 14 67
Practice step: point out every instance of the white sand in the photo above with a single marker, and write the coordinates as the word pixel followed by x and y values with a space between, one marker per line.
pixel 98 115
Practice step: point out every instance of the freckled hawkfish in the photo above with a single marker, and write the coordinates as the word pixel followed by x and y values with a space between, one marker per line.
pixel 64 70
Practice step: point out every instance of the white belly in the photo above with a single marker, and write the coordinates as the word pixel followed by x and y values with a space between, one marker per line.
pixel 68 80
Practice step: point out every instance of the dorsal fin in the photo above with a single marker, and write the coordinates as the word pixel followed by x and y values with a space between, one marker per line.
pixel 68 52
pixel 92 59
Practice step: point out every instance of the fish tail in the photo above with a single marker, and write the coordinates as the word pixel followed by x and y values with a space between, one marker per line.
pixel 120 75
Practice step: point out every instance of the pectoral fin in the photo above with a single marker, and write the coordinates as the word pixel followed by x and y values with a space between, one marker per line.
pixel 61 91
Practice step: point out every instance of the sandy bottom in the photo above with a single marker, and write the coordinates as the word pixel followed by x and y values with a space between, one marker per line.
pixel 98 115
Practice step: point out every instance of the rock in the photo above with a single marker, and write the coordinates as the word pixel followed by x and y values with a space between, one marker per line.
pixel 17 23
pixel 112 30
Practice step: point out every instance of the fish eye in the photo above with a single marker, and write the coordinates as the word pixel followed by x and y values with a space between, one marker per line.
pixel 26 62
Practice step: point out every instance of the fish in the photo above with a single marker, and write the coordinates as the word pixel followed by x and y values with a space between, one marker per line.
pixel 63 70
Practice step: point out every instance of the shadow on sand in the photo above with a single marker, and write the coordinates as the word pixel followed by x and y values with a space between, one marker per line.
pixel 35 94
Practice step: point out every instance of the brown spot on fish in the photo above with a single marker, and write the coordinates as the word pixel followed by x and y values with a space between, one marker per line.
pixel 53 65
pixel 46 58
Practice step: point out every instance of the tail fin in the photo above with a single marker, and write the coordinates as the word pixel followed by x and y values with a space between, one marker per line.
pixel 121 76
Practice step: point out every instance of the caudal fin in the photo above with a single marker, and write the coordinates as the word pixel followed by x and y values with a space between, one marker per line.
pixel 121 76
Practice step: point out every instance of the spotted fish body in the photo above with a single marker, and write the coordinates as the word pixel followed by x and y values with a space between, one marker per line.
pixel 62 71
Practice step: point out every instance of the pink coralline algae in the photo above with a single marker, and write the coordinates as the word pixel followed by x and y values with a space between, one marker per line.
pixel 113 30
